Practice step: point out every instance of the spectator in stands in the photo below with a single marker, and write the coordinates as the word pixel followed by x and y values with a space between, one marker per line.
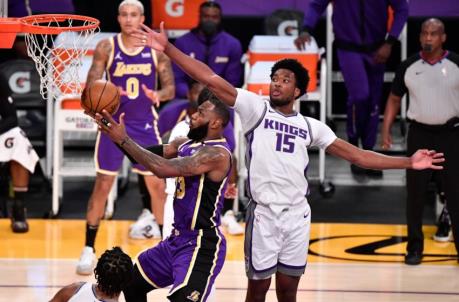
pixel 431 78
pixel 363 46
pixel 16 150
pixel 209 43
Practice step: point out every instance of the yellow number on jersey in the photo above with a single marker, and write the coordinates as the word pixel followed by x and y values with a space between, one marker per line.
pixel 180 188
pixel 132 88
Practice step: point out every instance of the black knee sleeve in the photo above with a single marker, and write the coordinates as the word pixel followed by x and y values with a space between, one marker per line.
pixel 138 288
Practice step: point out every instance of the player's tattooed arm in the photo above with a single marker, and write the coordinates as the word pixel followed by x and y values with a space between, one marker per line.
pixel 166 78
pixel 99 61
pixel 207 159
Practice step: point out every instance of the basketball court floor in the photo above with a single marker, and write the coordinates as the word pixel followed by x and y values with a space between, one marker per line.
pixel 347 262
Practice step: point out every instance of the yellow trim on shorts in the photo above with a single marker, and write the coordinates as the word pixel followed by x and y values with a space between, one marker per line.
pixel 214 262
pixel 198 201
pixel 143 273
pixel 144 173
pixel 96 152
pixel 190 268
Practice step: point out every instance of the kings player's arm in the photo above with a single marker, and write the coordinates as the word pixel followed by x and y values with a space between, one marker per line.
pixel 166 78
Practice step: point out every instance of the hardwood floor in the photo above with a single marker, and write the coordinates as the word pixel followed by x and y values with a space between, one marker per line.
pixel 347 262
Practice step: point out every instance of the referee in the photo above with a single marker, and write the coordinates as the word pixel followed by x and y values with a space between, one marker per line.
pixel 431 78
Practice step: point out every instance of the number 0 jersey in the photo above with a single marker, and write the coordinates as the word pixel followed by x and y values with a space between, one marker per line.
pixel 277 150
pixel 129 70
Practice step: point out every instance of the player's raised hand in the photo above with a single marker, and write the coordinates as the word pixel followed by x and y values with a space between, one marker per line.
pixel 147 37
pixel 116 131
pixel 427 159
pixel 152 95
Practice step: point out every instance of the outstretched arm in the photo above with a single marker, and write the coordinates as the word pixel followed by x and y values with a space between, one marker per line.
pixel 207 159
pixel 422 159
pixel 194 68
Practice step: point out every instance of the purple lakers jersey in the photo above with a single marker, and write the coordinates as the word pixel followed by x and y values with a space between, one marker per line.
pixel 129 70
pixel 198 200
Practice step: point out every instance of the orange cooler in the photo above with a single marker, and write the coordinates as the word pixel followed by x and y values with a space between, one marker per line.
pixel 258 80
pixel 274 48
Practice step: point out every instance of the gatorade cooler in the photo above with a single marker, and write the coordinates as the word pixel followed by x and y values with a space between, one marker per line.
pixel 274 48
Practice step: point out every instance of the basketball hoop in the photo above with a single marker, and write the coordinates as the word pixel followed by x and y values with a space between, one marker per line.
pixel 57 44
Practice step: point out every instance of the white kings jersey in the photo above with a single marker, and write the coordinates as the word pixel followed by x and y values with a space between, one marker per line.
pixel 85 294
pixel 277 150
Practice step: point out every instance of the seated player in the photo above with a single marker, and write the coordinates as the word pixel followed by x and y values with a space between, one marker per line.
pixel 16 150
pixel 113 272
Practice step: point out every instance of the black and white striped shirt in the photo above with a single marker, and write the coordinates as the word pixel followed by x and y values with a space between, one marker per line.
pixel 433 88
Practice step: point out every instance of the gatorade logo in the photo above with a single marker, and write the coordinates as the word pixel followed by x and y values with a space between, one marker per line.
pixel 20 82
pixel 175 8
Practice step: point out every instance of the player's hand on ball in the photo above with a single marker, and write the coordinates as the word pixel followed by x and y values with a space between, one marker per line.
pixel 116 131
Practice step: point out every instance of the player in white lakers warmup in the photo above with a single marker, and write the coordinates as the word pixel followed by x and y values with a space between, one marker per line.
pixel 277 229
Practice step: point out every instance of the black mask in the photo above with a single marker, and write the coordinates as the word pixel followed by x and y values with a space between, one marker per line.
pixel 198 133
pixel 427 47
pixel 209 28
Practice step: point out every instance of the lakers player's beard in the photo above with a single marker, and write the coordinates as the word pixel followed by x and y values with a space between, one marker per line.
pixel 198 133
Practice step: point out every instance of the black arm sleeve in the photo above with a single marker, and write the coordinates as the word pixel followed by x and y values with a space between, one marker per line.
pixel 156 149
pixel 8 115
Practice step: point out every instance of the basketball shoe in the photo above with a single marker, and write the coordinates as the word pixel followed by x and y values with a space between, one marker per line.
pixel 18 217
pixel 229 221
pixel 87 261
pixel 444 232
pixel 145 227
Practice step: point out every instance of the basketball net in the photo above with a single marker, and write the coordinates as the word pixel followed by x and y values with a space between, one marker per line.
pixel 58 58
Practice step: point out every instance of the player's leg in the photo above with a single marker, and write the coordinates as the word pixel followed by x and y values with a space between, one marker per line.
pixel 20 180
pixel 153 269
pixel 257 289
pixel 296 224
pixel 156 187
pixel 138 288
pixel 375 75
pixel 198 260
pixel 286 287
pixel 149 225
pixel 355 78
pixel 417 188
pixel 262 244
pixel 108 159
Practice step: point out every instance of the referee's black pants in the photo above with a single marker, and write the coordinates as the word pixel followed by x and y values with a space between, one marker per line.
pixel 440 139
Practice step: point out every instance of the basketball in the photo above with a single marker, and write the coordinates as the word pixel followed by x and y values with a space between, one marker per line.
pixel 101 95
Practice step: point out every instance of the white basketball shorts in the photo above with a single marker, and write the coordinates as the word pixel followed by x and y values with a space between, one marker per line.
pixel 276 242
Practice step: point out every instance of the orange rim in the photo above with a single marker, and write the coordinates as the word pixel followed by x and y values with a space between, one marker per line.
pixel 30 24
